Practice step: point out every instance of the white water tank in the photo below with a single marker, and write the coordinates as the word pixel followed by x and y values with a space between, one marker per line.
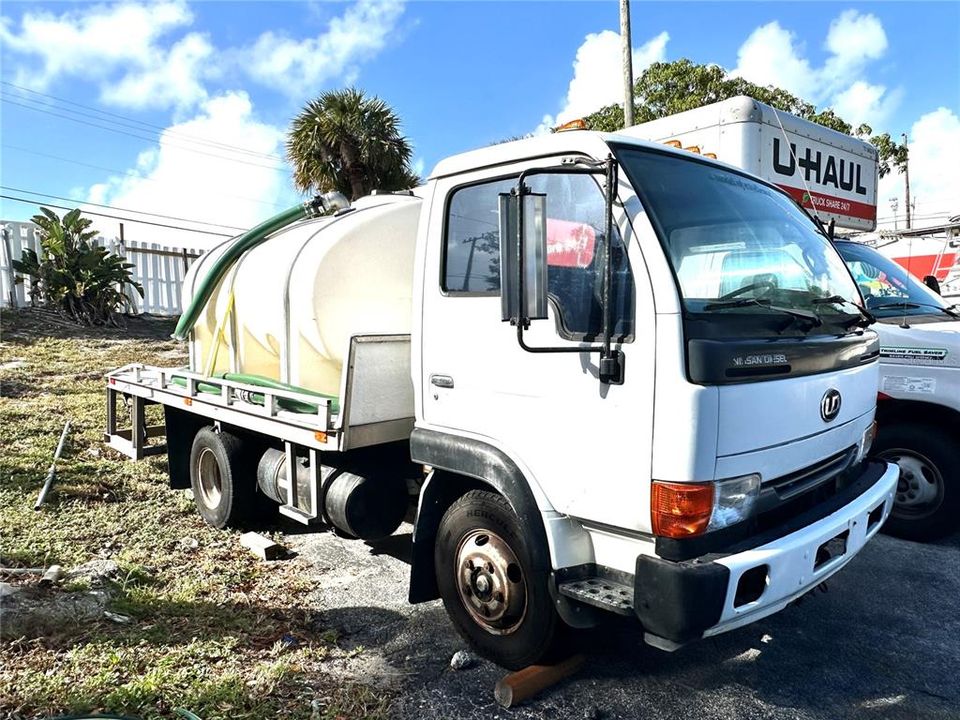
pixel 299 296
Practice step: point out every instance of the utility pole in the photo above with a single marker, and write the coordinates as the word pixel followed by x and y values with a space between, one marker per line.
pixel 627 63
pixel 894 203
pixel 906 177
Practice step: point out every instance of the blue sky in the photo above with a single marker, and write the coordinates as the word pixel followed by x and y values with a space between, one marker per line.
pixel 200 94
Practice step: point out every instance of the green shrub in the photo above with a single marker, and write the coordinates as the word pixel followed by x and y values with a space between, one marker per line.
pixel 74 274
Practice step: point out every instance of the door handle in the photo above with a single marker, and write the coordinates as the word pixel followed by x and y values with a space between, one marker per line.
pixel 443 381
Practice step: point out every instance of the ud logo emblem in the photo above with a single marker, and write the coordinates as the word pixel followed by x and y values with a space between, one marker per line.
pixel 830 405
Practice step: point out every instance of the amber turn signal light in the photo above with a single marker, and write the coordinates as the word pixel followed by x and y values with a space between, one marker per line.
pixel 681 510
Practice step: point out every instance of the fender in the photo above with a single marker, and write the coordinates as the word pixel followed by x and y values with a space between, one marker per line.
pixel 465 464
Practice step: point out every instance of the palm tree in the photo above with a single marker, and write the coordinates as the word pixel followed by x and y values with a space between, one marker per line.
pixel 346 141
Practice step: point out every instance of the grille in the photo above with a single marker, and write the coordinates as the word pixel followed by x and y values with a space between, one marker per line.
pixel 800 481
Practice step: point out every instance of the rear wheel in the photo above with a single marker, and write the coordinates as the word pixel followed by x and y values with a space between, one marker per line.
pixel 495 598
pixel 222 493
pixel 927 504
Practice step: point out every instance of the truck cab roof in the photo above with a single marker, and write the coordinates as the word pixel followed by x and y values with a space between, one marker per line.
pixel 590 143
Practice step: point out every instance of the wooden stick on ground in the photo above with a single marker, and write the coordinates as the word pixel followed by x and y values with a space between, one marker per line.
pixel 48 483
pixel 518 686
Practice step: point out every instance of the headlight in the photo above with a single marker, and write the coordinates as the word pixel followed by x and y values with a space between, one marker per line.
pixel 681 510
pixel 734 500
pixel 866 441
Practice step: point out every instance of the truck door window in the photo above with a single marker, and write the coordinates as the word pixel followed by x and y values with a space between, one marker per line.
pixel 575 242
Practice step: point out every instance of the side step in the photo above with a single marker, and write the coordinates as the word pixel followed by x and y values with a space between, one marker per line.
pixel 600 592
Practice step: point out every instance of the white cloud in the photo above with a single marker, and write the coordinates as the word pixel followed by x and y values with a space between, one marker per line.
pixel 298 67
pixel 119 46
pixel 772 55
pixel 866 103
pixel 934 171
pixel 418 167
pixel 597 76
pixel 172 179
pixel 852 40
pixel 170 81
pixel 140 58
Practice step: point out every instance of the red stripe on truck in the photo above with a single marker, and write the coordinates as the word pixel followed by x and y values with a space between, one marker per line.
pixel 832 204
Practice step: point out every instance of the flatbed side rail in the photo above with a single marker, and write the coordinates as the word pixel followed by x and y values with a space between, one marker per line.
pixel 252 407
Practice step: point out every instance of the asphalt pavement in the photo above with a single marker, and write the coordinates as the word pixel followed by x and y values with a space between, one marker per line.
pixel 882 642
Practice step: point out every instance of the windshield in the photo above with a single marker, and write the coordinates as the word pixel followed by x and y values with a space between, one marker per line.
pixel 888 289
pixel 736 244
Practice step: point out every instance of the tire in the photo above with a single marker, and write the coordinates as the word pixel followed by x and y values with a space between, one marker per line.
pixel 506 614
pixel 218 468
pixel 927 504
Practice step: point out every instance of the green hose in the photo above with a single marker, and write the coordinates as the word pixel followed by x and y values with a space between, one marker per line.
pixel 213 388
pixel 250 239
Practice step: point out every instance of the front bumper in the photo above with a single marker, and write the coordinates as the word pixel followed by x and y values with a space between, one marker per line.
pixel 681 601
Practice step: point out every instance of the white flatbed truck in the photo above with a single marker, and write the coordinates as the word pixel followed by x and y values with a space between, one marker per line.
pixel 609 400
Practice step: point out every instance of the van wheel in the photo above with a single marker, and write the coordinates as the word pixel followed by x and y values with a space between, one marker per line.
pixel 216 476
pixel 927 503
pixel 496 600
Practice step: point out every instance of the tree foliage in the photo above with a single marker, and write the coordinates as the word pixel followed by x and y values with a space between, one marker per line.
pixel 346 141
pixel 666 88
pixel 73 273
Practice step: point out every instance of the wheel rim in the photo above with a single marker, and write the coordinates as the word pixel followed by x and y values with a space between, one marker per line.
pixel 491 582
pixel 920 487
pixel 208 473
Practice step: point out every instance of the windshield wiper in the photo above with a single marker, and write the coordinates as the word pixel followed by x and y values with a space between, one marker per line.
pixel 949 310
pixel 866 317
pixel 810 317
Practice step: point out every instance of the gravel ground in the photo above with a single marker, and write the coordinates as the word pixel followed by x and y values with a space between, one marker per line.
pixel 883 642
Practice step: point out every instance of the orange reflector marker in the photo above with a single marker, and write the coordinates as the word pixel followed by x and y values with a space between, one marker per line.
pixel 693 149
pixel 680 510
pixel 188 401
pixel 320 436
pixel 578 124
pixel 674 144
pixel 712 156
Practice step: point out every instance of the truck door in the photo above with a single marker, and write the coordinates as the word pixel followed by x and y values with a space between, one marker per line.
pixel 584 443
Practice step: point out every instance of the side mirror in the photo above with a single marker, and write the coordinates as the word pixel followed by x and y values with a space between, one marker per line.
pixel 523 246
pixel 931 282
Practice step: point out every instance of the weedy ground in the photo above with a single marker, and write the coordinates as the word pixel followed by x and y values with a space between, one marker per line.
pixel 205 625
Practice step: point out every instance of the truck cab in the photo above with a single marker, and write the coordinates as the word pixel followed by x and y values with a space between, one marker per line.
pixel 918 411
pixel 678 414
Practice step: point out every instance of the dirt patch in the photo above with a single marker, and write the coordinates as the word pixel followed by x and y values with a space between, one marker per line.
pixel 26 324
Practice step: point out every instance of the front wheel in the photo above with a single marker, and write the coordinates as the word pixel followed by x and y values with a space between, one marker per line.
pixel 927 504
pixel 497 601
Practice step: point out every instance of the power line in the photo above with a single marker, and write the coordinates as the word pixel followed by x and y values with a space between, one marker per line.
pixel 129 173
pixel 118 217
pixel 121 209
pixel 140 137
pixel 133 122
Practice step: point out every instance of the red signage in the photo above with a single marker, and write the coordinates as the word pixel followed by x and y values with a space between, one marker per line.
pixel 832 204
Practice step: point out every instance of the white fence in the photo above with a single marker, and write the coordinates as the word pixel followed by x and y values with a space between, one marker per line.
pixel 158 268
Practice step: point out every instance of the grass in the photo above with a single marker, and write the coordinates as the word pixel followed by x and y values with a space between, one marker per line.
pixel 211 629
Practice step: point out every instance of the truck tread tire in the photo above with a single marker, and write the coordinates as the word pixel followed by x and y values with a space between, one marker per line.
pixel 532 637
pixel 217 464
pixel 934 446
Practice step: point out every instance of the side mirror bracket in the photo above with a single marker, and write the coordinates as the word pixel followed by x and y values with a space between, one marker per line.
pixel 523 263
